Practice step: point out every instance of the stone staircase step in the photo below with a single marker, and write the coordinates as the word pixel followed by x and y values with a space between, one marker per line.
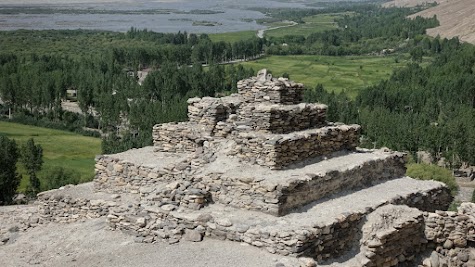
pixel 280 151
pixel 126 172
pixel 323 229
pixel 279 192
pixel 244 185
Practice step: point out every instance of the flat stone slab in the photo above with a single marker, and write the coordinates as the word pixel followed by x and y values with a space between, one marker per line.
pixel 338 161
pixel 146 157
pixel 85 191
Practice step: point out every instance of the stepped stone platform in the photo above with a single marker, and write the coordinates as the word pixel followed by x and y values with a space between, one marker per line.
pixel 322 229
pixel 249 186
pixel 261 168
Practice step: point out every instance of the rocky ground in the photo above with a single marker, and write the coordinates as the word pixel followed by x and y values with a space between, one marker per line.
pixel 90 243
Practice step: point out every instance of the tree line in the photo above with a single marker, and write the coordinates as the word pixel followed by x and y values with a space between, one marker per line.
pixel 365 30
pixel 428 108
pixel 425 107
pixel 32 85
pixel 31 157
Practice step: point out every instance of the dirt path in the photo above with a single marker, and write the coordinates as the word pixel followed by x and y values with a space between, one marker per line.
pixel 260 33
pixel 466 188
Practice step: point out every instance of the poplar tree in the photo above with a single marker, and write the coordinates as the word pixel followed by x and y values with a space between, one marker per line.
pixel 9 178
pixel 32 159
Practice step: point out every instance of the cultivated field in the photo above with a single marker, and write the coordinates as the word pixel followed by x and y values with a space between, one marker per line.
pixel 337 74
pixel 60 148
pixel 313 24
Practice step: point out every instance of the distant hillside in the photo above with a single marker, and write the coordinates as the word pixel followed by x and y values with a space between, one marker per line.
pixel 457 17
pixel 410 3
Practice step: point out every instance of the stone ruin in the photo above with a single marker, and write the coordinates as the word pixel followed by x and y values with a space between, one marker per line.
pixel 262 168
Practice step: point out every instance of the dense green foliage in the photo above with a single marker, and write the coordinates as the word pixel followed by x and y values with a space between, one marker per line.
pixel 33 85
pixel 430 108
pixel 367 30
pixel 432 172
pixel 422 106
pixel 9 178
pixel 131 48
pixel 59 176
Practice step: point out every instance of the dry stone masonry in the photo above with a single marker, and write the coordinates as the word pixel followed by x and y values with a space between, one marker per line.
pixel 266 120
pixel 262 168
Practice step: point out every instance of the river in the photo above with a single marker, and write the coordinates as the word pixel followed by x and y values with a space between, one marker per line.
pixel 230 15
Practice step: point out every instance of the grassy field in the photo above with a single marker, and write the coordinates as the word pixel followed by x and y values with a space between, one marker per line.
pixel 60 148
pixel 337 74
pixel 317 23
pixel 232 37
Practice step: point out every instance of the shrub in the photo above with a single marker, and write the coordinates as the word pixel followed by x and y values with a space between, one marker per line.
pixel 57 177
pixel 432 172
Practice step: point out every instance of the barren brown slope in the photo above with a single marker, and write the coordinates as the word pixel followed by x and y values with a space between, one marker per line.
pixel 457 18
pixel 410 3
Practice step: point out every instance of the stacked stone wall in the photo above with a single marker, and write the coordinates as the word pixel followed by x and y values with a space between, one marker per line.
pixel 277 91
pixel 452 229
pixel 255 194
pixel 392 235
pixel 181 137
pixel 279 151
pixel 207 112
pixel 281 119
pixel 118 176
pixel 63 209
pixel 319 241
pixel 451 235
